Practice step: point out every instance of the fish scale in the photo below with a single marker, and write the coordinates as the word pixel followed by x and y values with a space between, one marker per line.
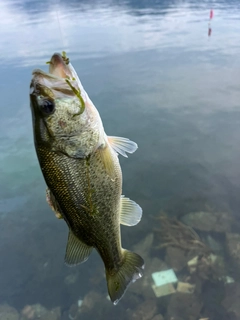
pixel 60 172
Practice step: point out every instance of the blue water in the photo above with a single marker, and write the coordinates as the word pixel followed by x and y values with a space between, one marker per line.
pixel 157 77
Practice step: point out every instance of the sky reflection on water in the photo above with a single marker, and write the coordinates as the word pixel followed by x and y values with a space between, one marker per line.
pixel 30 32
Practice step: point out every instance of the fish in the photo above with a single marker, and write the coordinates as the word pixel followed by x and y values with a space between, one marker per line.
pixel 80 165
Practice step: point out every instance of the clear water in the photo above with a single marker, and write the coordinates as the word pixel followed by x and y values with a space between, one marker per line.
pixel 156 77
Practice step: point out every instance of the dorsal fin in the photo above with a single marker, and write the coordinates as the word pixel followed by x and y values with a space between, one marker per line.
pixel 76 251
pixel 131 212
pixel 122 145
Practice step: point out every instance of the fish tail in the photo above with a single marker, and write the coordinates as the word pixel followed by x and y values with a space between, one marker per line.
pixel 130 271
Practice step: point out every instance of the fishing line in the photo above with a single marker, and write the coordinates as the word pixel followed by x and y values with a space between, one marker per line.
pixel 59 25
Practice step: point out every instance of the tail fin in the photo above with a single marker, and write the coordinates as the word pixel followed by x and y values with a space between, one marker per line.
pixel 130 271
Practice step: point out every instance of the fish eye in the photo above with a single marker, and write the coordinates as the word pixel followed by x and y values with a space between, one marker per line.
pixel 47 106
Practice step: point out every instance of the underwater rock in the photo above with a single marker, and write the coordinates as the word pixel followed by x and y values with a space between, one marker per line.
pixel 34 311
pixel 143 285
pixel 8 313
pixel 228 279
pixel 214 244
pixel 233 246
pixel 38 312
pixel 184 306
pixel 185 287
pixel 144 247
pixel 90 301
pixel 71 278
pixel 192 264
pixel 145 311
pixel 232 298
pixel 158 317
pixel 74 311
pixel 97 277
pixel 209 267
pixel 97 306
pixel 54 314
pixel 176 258
pixel 208 221
pixel 213 295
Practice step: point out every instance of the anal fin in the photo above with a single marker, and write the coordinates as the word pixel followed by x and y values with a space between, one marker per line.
pixel 76 251
pixel 131 212
pixel 122 145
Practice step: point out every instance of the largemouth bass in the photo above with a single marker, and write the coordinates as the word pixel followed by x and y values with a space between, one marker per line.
pixel 80 165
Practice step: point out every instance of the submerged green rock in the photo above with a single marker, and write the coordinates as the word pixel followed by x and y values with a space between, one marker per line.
pixel 8 313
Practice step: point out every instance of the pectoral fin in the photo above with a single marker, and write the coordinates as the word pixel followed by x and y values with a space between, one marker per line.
pixel 77 251
pixel 122 145
pixel 131 212
pixel 107 160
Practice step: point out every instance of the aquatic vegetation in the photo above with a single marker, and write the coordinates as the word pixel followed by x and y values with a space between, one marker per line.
pixel 191 250
pixel 65 58
pixel 77 92
pixel 173 233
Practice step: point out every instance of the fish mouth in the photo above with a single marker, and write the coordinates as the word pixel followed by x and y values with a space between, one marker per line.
pixel 57 81
pixel 59 66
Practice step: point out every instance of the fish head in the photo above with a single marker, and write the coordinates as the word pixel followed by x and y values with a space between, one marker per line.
pixel 64 118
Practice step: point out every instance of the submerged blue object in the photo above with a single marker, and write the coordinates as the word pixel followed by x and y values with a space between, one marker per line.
pixel 164 277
